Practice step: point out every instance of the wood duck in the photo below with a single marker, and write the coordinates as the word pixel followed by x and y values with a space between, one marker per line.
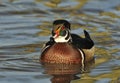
pixel 66 47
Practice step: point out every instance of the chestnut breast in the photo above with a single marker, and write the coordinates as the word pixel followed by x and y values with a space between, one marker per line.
pixel 61 53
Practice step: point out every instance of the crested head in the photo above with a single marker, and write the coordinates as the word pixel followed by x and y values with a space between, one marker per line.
pixel 61 31
pixel 64 22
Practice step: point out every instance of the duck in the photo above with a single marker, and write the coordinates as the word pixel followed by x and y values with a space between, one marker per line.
pixel 66 47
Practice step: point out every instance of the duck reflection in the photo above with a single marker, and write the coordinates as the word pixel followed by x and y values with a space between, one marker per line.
pixel 64 73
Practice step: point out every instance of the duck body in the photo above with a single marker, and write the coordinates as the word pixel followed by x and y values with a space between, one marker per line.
pixel 65 47
pixel 62 53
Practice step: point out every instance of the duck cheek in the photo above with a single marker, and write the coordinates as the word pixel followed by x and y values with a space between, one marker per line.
pixel 63 33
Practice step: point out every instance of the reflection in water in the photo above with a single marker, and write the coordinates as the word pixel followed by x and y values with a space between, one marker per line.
pixel 64 73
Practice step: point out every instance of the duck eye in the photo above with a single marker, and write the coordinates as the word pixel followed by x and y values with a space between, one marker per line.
pixel 63 28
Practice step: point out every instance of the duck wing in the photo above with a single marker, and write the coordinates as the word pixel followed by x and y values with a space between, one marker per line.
pixel 82 43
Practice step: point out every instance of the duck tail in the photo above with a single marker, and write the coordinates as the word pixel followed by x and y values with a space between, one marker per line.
pixel 86 34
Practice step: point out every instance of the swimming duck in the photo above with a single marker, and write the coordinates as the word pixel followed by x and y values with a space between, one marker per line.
pixel 66 47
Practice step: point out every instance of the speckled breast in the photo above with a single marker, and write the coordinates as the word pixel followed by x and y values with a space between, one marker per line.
pixel 61 53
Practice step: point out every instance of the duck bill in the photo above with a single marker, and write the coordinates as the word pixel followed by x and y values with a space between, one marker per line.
pixel 57 32
pixel 55 36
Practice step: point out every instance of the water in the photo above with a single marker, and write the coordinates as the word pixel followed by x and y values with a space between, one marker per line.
pixel 25 26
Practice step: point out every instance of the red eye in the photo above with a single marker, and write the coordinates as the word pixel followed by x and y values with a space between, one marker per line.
pixel 63 27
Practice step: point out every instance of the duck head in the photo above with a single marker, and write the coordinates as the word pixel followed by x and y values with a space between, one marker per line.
pixel 61 31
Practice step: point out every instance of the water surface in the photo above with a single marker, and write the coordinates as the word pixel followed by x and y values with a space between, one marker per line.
pixel 25 25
